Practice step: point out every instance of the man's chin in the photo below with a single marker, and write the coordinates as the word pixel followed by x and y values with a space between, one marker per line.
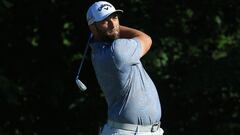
pixel 111 36
pixel 114 36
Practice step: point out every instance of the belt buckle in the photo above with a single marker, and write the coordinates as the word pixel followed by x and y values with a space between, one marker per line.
pixel 155 127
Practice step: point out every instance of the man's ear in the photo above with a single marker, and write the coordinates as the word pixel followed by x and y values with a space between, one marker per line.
pixel 93 29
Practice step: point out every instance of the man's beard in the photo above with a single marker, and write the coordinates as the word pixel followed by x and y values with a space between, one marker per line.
pixel 111 35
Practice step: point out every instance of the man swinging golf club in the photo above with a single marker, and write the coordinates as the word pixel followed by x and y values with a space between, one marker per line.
pixel 133 102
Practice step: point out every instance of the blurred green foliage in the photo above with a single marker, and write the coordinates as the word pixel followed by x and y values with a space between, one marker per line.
pixel 194 62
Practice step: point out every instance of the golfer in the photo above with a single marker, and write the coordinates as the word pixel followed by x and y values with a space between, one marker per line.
pixel 133 102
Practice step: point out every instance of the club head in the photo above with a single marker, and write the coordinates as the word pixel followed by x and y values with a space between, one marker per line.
pixel 80 85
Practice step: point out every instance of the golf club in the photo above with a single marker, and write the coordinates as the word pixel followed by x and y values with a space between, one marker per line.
pixel 80 85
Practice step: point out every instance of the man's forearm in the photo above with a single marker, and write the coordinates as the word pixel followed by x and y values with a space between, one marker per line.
pixel 126 32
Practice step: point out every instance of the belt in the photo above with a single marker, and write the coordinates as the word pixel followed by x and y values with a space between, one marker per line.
pixel 133 127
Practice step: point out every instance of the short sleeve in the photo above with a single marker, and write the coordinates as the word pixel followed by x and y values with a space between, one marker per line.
pixel 126 51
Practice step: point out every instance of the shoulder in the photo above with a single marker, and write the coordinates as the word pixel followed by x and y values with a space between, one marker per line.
pixel 121 41
pixel 124 44
pixel 126 51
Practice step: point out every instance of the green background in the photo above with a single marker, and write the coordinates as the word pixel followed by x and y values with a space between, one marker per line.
pixel 194 62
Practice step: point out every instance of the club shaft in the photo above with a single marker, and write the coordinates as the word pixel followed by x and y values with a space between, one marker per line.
pixel 84 55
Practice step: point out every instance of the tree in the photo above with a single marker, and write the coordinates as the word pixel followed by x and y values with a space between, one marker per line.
pixel 194 62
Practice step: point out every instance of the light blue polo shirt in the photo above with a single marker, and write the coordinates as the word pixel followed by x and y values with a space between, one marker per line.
pixel 130 93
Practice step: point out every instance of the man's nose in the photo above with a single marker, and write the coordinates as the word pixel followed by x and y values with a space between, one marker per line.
pixel 111 23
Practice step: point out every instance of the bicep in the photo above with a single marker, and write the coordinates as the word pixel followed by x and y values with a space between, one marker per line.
pixel 127 51
pixel 145 42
